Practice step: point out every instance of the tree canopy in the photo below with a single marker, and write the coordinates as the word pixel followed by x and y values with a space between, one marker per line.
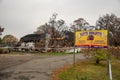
pixel 112 23
pixel 10 40
pixel 59 29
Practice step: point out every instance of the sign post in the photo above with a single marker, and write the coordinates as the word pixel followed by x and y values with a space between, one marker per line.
pixel 94 39
pixel 74 48
pixel 109 70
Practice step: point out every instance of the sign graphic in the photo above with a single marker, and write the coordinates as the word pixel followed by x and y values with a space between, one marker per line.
pixel 91 38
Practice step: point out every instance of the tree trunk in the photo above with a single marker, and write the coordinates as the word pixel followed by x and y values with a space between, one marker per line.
pixel 97 61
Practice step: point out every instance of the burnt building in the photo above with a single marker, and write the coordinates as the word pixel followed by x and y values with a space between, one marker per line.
pixel 32 38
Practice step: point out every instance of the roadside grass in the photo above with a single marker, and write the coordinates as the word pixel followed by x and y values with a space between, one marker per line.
pixel 53 53
pixel 88 70
pixel 16 53
pixel 44 53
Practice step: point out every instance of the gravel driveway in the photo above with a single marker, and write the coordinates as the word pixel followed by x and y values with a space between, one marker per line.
pixel 37 69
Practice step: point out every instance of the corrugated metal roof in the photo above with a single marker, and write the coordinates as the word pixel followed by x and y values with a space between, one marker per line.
pixel 32 37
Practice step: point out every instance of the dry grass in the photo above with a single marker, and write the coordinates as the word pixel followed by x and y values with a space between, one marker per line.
pixel 87 70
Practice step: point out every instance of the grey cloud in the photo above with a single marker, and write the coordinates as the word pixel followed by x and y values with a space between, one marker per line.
pixel 0 1
pixel 22 17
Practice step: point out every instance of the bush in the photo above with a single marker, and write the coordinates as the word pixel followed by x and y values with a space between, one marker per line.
pixel 1 50
pixel 96 53
pixel 115 51
pixel 86 52
pixel 4 50
pixel 99 54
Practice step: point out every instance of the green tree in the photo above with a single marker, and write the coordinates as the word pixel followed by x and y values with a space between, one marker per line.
pixel 0 40
pixel 99 54
pixel 10 40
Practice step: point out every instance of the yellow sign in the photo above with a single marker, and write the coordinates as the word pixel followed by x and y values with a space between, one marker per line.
pixel 91 38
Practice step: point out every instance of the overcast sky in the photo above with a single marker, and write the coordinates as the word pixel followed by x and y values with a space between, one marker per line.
pixel 22 17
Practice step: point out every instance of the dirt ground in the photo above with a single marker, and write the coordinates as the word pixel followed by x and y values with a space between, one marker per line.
pixel 8 60
pixel 31 66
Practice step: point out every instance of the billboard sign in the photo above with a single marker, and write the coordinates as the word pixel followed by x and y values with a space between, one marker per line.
pixel 91 38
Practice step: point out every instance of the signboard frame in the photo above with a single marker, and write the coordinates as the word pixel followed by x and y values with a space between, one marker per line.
pixel 91 39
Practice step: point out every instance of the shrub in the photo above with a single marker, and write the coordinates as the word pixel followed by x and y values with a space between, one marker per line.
pixel 86 52
pixel 115 51
pixel 1 50
pixel 4 50
pixel 99 54
pixel 96 53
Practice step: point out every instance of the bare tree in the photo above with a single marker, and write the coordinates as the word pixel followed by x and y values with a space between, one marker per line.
pixel 80 24
pixel 56 29
pixel 43 28
pixel 1 30
pixel 111 22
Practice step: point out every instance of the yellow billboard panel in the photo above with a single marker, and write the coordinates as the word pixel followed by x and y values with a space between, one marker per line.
pixel 91 38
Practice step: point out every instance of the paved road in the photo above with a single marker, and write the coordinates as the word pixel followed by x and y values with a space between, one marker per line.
pixel 38 69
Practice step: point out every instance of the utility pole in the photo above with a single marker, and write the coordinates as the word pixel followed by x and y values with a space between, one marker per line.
pixel 74 47
pixel 46 38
